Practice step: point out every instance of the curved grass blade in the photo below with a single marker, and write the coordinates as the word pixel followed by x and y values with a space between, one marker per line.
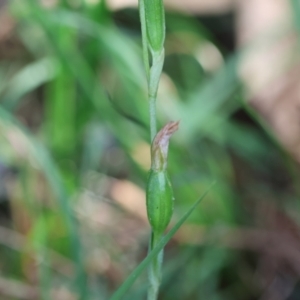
pixel 160 245
pixel 28 79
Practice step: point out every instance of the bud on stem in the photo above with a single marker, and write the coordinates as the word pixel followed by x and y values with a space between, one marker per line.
pixel 160 146
pixel 159 196
pixel 155 24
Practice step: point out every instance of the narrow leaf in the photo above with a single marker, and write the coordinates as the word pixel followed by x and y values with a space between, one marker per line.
pixel 160 245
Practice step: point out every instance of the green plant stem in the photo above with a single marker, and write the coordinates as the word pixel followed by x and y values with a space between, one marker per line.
pixel 152 116
pixel 153 83
pixel 153 76
pixel 155 268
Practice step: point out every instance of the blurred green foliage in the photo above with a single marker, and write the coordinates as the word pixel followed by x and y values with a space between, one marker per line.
pixel 74 113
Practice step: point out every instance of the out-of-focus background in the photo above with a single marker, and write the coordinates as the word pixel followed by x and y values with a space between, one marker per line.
pixel 74 149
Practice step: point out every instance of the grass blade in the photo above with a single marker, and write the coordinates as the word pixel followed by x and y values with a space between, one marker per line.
pixel 119 293
pixel 28 79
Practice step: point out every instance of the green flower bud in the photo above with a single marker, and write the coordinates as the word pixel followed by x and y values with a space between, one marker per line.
pixel 155 24
pixel 159 195
pixel 159 200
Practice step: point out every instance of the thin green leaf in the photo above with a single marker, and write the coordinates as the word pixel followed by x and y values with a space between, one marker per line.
pixel 28 79
pixel 160 245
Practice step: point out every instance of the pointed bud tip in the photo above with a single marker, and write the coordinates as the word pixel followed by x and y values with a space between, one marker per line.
pixel 159 150
pixel 166 132
pixel 171 127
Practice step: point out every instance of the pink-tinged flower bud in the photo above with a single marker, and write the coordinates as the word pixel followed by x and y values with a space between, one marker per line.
pixel 160 145
pixel 159 195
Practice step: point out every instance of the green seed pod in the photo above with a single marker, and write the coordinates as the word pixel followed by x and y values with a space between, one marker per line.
pixel 159 200
pixel 159 195
pixel 155 24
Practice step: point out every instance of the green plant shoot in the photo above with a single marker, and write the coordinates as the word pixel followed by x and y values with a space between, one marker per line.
pixel 159 194
pixel 159 190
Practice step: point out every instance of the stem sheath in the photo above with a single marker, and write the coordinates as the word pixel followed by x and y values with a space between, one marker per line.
pixel 153 83
pixel 154 268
